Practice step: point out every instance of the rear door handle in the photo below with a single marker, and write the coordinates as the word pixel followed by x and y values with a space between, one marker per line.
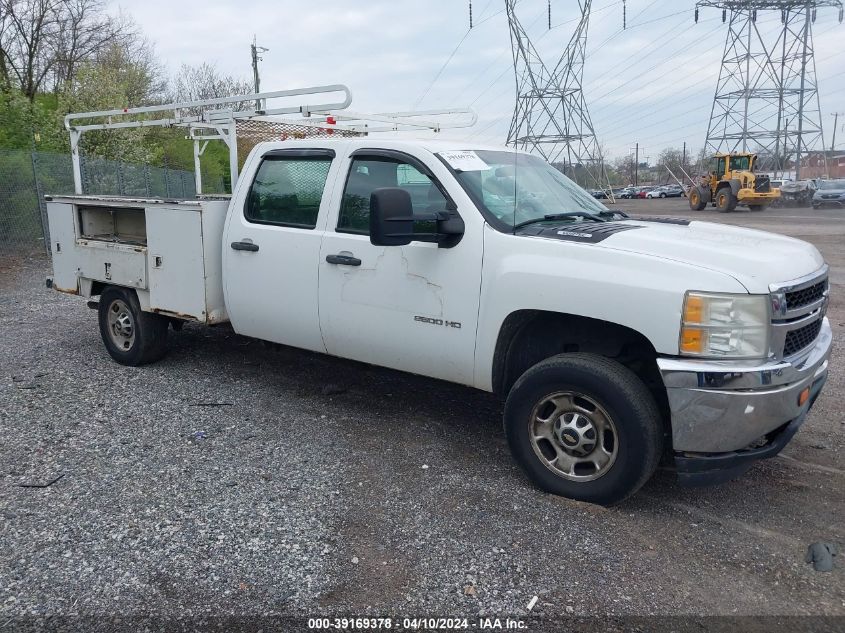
pixel 343 260
pixel 245 246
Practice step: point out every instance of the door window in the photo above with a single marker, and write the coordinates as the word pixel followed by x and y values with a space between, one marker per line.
pixel 287 191
pixel 370 173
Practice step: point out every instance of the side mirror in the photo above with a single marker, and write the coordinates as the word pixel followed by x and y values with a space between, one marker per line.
pixel 391 217
pixel 392 221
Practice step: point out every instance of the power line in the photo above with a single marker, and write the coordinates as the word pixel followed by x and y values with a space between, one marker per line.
pixel 499 77
pixel 440 72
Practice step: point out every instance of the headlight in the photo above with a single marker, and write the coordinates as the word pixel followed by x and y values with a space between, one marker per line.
pixel 725 325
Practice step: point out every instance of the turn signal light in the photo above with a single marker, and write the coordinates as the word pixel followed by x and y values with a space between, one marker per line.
pixel 692 340
pixel 694 309
pixel 803 397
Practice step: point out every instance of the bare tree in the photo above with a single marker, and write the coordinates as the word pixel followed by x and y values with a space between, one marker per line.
pixel 29 28
pixel 44 41
pixel 195 83
pixel 85 29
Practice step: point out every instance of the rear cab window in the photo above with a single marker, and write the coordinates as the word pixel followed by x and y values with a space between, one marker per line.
pixel 288 188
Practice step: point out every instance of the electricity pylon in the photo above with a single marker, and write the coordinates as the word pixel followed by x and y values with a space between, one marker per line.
pixel 551 115
pixel 767 98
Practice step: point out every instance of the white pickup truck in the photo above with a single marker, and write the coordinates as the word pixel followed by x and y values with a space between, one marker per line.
pixel 617 341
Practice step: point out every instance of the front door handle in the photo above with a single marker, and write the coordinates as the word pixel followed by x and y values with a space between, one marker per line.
pixel 245 246
pixel 343 260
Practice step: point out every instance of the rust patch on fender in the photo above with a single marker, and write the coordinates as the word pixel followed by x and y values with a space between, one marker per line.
pixel 67 291
pixel 175 315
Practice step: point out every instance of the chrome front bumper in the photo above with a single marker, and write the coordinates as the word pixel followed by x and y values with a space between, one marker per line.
pixel 723 406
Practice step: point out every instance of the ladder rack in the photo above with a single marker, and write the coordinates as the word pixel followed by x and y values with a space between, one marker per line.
pixel 216 119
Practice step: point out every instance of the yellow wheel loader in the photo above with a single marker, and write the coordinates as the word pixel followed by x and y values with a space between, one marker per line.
pixel 733 183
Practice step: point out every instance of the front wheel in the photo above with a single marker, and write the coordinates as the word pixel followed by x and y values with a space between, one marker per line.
pixel 696 200
pixel 725 200
pixel 131 336
pixel 585 427
pixel 662 195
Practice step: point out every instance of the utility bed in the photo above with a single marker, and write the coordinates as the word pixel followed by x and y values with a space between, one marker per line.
pixel 167 250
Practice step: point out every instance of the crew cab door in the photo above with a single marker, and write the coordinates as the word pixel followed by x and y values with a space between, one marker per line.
pixel 413 307
pixel 271 247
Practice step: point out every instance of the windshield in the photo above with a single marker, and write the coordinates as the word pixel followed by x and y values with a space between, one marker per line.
pixel 832 184
pixel 518 188
pixel 739 163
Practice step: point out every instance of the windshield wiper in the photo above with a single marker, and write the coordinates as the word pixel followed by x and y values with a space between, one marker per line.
pixel 562 216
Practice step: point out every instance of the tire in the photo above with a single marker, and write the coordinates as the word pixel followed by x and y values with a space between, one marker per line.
pixel 662 195
pixel 725 200
pixel 593 393
pixel 131 336
pixel 697 202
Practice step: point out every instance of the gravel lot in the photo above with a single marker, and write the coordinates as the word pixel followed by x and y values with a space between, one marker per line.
pixel 234 479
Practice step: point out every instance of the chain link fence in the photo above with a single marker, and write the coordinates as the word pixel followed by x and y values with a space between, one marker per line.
pixel 26 177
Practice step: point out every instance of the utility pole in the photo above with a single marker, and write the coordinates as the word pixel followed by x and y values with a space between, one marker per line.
pixel 684 157
pixel 255 59
pixel 835 124
pixel 637 166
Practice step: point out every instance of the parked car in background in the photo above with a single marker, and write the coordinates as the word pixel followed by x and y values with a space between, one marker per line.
pixel 667 191
pixel 642 192
pixel 598 194
pixel 675 191
pixel 627 193
pixel 830 193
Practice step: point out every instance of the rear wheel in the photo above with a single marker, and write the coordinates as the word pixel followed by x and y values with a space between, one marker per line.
pixel 696 199
pixel 585 427
pixel 725 200
pixel 662 195
pixel 131 336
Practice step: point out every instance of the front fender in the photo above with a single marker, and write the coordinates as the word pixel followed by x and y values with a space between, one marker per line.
pixel 641 292
pixel 735 187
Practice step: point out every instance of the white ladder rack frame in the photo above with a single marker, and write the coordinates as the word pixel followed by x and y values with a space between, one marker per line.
pixel 219 123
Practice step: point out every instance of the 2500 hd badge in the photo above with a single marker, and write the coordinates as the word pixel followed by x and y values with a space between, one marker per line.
pixel 444 323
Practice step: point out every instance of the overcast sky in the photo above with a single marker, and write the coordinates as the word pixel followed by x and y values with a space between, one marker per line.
pixel 652 83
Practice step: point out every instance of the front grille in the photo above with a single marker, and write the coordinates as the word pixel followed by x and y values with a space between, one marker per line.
pixel 806 296
pixel 796 340
pixel 762 184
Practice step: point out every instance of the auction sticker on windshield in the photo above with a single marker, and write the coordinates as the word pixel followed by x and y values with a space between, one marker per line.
pixel 464 161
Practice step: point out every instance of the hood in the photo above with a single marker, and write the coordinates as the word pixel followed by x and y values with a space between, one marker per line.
pixel 754 258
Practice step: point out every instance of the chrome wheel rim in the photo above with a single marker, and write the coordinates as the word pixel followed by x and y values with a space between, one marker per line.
pixel 121 325
pixel 573 436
